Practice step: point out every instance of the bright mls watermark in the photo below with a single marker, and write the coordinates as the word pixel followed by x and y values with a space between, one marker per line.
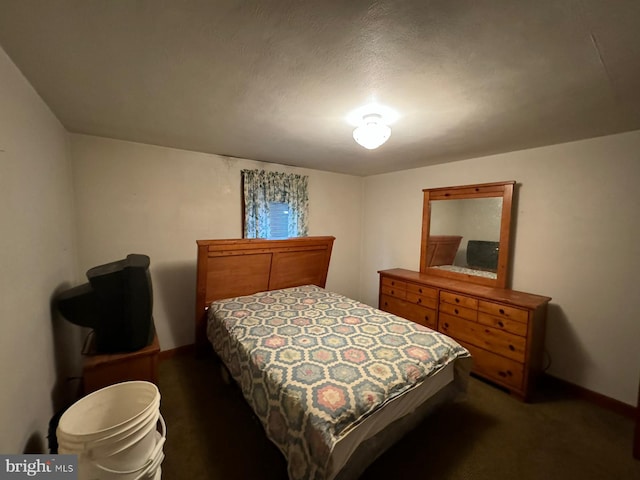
pixel 52 467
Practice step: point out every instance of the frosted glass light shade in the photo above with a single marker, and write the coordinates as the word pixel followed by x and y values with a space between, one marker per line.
pixel 372 132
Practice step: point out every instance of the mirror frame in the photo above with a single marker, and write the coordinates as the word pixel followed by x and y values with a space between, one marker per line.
pixel 484 190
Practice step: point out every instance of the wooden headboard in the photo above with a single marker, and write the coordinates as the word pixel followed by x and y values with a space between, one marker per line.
pixel 442 249
pixel 230 268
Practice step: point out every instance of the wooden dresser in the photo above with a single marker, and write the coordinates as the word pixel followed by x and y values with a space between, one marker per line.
pixel 503 329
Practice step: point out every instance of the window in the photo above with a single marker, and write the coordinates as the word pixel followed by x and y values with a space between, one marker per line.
pixel 275 204
pixel 278 220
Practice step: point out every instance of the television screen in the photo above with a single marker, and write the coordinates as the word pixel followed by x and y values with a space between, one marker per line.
pixel 117 303
pixel 483 255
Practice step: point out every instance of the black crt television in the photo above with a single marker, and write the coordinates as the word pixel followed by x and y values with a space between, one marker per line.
pixel 117 303
pixel 483 255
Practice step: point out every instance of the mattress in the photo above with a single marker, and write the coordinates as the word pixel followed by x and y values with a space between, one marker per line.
pixel 467 271
pixel 324 373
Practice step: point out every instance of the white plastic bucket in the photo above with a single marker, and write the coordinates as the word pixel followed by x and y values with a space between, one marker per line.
pixel 122 453
pixel 114 432
pixel 109 411
pixel 96 469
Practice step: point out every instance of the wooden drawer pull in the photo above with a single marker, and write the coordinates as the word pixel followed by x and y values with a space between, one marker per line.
pixel 456 310
pixel 386 304
pixel 512 348
pixel 500 324
pixel 446 325
pixel 501 311
pixel 419 300
pixel 420 290
pixel 393 292
pixel 457 300
pixel 393 284
pixel 426 317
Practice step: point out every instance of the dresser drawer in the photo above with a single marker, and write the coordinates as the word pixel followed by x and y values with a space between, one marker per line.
pixel 457 328
pixel 422 300
pixel 394 291
pixel 459 311
pixel 456 299
pixel 495 367
pixel 410 311
pixel 422 290
pixel 423 316
pixel 511 326
pixel 503 311
pixel 502 343
pixel 392 305
pixel 392 282
pixel 493 339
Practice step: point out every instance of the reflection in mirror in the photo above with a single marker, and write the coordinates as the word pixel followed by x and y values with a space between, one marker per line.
pixel 465 235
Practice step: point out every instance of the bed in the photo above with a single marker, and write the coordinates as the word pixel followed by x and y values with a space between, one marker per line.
pixel 333 381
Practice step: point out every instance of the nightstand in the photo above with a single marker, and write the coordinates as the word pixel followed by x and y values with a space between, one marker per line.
pixel 102 370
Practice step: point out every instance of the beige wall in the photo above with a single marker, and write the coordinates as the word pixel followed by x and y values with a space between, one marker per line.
pixel 36 259
pixel 135 198
pixel 576 240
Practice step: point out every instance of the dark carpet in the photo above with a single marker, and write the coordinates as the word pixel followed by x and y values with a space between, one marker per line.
pixel 212 434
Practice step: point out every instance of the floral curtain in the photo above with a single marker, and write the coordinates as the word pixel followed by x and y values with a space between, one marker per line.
pixel 261 188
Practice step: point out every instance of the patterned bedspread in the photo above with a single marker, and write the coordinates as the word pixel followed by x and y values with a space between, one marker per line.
pixel 312 364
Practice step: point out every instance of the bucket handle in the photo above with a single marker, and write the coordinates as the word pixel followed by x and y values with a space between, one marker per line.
pixel 152 463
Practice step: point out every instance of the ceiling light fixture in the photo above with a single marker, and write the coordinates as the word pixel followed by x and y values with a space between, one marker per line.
pixel 372 132
pixel 372 124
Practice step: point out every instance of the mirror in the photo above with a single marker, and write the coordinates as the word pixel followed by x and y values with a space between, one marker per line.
pixel 466 232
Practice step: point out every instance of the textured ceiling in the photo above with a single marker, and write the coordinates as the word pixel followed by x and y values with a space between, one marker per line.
pixel 274 80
